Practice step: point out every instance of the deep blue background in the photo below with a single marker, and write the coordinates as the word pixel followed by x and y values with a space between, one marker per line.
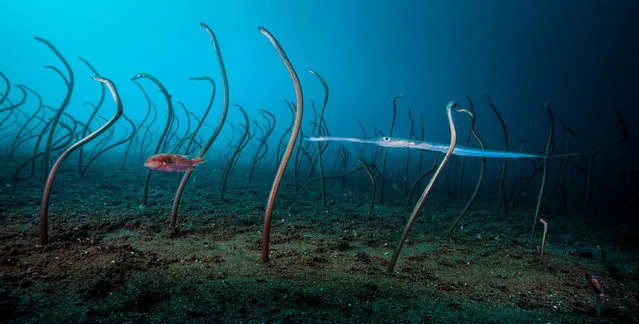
pixel 580 56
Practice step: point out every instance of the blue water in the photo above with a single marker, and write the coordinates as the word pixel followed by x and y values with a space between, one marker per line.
pixel 578 56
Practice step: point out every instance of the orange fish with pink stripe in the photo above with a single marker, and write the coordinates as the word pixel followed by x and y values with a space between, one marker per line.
pixel 166 162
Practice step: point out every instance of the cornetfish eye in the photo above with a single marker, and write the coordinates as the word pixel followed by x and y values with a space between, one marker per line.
pixel 386 139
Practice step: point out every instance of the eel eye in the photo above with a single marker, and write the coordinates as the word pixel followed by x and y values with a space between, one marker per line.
pixel 386 139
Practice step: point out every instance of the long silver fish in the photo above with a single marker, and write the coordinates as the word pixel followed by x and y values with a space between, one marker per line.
pixel 431 146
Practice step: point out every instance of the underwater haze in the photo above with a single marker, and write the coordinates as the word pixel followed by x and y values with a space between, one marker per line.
pixel 438 161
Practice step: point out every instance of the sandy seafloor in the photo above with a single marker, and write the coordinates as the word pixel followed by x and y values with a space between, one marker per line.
pixel 111 260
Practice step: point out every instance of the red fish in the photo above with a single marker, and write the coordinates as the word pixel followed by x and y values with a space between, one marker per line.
pixel 171 163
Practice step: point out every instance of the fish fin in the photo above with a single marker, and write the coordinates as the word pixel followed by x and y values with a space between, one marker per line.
pixel 199 160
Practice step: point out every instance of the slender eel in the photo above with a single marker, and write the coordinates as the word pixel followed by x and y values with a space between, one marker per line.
pixel 319 132
pixel 381 192
pixel 122 141
pixel 373 188
pixel 218 128
pixel 69 84
pixel 85 131
pixel 137 130
pixel 480 179
pixel 163 137
pixel 206 112
pixel 289 147
pixel 418 205
pixel 231 161
pixel 501 197
pixel 549 148
pixel 624 138
pixel 6 93
pixel 16 140
pixel 44 206
pixel 16 105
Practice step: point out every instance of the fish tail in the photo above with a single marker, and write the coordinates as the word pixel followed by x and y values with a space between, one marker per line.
pixel 198 160
pixel 561 155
